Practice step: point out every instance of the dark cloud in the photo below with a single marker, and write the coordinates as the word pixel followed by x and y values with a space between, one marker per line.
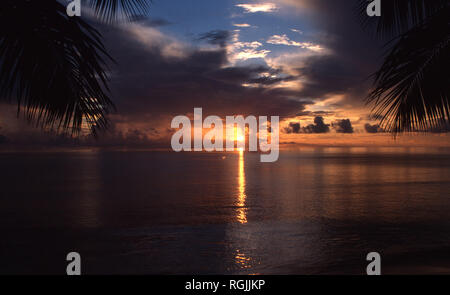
pixel 314 114
pixel 135 137
pixel 155 22
pixel 343 126
pixel 318 127
pixel 250 75
pixel 376 128
pixel 373 128
pixel 293 128
pixel 216 37
pixel 271 80
pixel 353 53
pixel 326 75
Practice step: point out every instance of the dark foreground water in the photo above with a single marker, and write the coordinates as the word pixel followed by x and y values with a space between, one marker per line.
pixel 315 211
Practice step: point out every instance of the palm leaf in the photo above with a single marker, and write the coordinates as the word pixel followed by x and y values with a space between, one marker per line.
pixel 413 85
pixel 113 10
pixel 398 16
pixel 53 66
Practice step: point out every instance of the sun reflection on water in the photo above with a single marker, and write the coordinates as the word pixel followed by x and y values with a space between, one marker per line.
pixel 241 207
pixel 242 260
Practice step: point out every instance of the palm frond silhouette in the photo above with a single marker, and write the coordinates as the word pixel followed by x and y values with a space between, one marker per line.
pixel 115 10
pixel 412 87
pixel 55 66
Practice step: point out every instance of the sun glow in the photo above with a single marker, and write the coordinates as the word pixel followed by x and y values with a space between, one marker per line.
pixel 239 135
pixel 239 138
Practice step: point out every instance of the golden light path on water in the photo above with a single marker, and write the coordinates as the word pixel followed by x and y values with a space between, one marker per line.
pixel 241 210
pixel 242 260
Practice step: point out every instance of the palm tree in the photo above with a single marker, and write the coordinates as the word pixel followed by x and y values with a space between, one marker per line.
pixel 412 87
pixel 55 66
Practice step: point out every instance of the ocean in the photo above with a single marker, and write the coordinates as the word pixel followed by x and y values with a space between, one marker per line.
pixel 314 211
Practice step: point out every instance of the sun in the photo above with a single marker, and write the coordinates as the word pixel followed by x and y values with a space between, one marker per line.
pixel 239 138
pixel 238 135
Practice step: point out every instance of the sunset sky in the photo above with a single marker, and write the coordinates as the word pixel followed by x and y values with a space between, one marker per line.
pixel 307 61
